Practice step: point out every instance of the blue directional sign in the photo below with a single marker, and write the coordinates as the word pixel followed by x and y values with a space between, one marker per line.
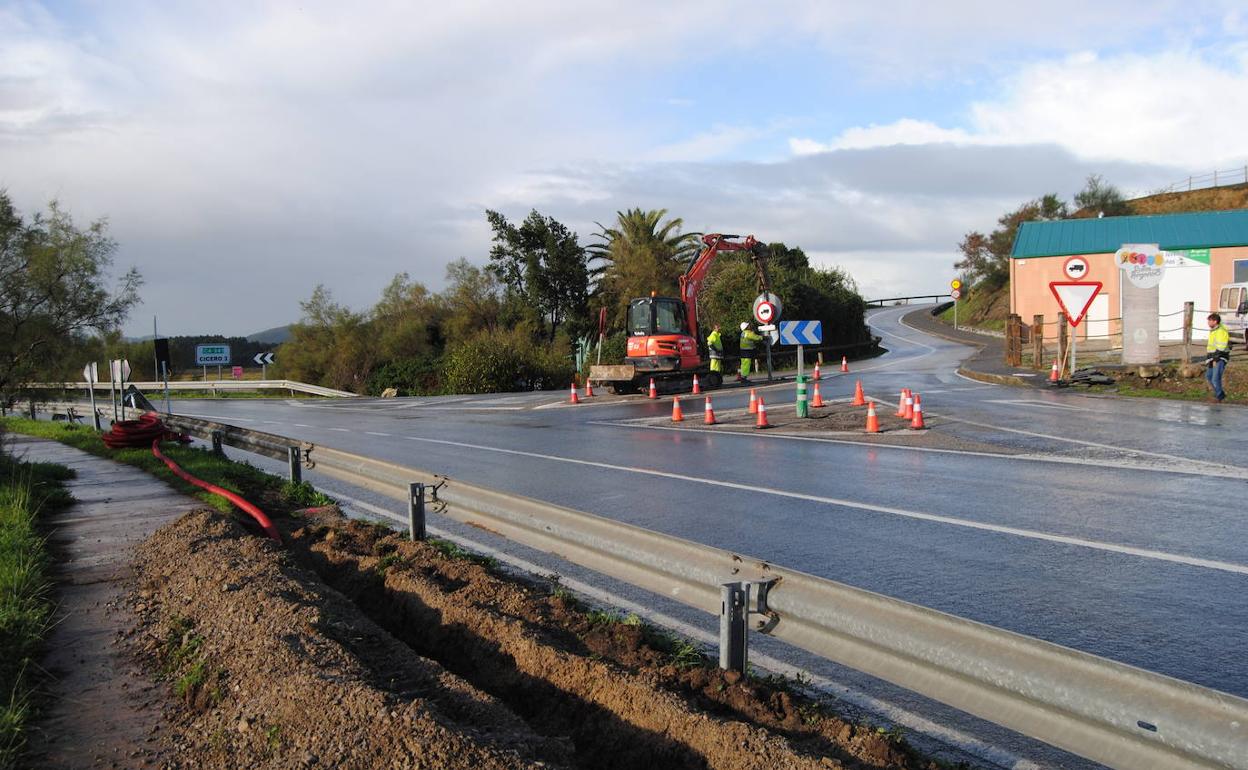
pixel 801 332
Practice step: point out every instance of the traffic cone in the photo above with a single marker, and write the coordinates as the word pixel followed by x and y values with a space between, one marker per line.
pixel 873 422
pixel 1054 374
pixel 901 404
pixel 859 398
pixel 654 393
pixel 762 415
pixel 589 389
pixel 844 364
pixel 697 389
pixel 909 415
pixel 817 400
pixel 815 376
pixel 574 399
pixel 677 414
pixel 753 401
pixel 917 422
pixel 710 412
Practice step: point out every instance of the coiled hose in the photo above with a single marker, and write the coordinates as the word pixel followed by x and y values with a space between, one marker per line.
pixel 149 430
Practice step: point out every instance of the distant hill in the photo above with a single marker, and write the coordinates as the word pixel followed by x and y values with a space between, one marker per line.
pixel 275 336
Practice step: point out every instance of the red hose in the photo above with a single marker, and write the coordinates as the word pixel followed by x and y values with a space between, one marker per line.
pixel 148 429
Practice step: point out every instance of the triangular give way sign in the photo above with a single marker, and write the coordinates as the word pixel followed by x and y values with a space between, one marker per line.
pixel 1075 297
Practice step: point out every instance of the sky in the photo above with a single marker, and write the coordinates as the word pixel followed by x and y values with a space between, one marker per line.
pixel 244 153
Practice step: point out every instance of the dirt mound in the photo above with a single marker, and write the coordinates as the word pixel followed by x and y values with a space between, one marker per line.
pixel 421 655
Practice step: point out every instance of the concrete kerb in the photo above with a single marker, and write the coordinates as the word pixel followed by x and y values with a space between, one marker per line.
pixel 995 378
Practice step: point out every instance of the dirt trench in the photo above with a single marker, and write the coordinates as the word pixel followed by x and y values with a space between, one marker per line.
pixel 357 648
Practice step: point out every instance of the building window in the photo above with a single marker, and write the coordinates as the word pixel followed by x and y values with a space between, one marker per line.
pixel 1241 271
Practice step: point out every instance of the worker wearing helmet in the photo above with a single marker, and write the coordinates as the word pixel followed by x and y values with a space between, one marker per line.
pixel 749 339
pixel 715 344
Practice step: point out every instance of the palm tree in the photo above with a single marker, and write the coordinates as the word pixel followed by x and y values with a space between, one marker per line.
pixel 641 254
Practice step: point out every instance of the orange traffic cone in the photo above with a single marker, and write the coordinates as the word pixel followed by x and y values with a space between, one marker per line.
pixel 762 415
pixel 901 404
pixel 859 398
pixel 873 422
pixel 909 415
pixel 654 393
pixel 589 389
pixel 1054 374
pixel 917 422
pixel 844 364
pixel 753 401
pixel 697 388
pixel 815 376
pixel 710 412
pixel 817 401
pixel 677 414
pixel 574 399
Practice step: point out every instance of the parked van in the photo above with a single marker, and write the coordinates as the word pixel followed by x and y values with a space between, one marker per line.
pixel 1233 307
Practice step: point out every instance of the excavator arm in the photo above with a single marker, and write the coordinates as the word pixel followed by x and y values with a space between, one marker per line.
pixel 714 243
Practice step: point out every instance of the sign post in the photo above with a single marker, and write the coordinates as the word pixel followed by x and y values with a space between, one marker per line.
pixel 91 373
pixel 1074 298
pixel 955 291
pixel 801 333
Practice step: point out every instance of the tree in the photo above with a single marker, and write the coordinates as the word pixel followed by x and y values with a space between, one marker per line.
pixel 331 345
pixel 986 258
pixel 52 291
pixel 639 255
pixel 407 320
pixel 1100 197
pixel 542 264
pixel 473 300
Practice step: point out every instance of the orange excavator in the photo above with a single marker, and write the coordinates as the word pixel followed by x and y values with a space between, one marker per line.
pixel 663 339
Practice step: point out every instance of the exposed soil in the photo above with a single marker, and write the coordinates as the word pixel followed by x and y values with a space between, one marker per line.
pixel 357 648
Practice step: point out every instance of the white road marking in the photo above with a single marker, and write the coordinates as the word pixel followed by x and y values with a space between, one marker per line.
pixel 301 425
pixel 376 433
pixel 1038 404
pixel 869 507
pixel 339 430
pixel 892 713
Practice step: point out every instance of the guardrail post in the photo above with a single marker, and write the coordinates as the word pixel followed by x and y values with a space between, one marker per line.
pixel 416 511
pixel 1037 341
pixel 733 612
pixel 218 444
pixel 296 466
pixel 32 409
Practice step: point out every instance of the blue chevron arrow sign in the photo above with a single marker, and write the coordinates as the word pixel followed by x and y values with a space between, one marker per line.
pixel 801 332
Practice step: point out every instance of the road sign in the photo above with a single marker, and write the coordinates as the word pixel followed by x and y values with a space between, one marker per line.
pixel 263 359
pixel 1075 297
pixel 955 284
pixel 120 370
pixel 801 332
pixel 773 299
pixel 91 373
pixel 956 294
pixel 1075 268
pixel 764 312
pixel 237 372
pixel 206 355
pixel 767 328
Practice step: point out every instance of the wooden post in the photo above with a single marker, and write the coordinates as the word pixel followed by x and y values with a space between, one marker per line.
pixel 1189 310
pixel 1037 341
pixel 1063 338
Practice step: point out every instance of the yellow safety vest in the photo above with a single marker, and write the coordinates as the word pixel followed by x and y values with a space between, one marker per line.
pixel 1219 340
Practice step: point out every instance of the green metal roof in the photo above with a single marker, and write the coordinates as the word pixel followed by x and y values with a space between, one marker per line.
pixel 1197 230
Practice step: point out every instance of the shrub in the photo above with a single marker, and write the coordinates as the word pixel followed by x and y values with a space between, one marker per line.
pixel 492 362
pixel 414 376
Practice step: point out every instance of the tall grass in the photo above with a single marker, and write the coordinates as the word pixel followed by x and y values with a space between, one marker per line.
pixel 26 491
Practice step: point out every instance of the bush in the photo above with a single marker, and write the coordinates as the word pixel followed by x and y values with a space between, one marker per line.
pixel 493 362
pixel 415 376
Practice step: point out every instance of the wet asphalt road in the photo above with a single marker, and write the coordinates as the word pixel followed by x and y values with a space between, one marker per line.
pixel 1118 530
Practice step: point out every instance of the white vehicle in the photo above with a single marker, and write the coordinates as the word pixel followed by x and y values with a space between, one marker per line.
pixel 1233 307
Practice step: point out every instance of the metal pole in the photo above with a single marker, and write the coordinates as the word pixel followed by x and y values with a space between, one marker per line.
pixel 218 444
pixel 113 371
pixel 155 360
pixel 732 626
pixel 91 392
pixel 32 407
pixel 416 510
pixel 767 342
pixel 955 314
pixel 164 372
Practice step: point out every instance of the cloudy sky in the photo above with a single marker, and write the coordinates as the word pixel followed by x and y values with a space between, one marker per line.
pixel 245 152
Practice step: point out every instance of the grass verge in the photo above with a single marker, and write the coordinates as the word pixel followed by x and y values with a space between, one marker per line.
pixel 27 490
pixel 263 489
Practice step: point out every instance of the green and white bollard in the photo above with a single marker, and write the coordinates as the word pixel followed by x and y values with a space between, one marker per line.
pixel 803 405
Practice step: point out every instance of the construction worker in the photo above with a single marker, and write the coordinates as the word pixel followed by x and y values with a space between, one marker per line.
pixel 715 344
pixel 1217 354
pixel 749 339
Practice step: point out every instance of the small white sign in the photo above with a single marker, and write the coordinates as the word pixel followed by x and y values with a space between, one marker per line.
pixel 91 373
pixel 1076 268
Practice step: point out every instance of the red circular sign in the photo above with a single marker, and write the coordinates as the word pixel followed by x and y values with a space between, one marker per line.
pixel 765 312
pixel 956 293
pixel 1076 268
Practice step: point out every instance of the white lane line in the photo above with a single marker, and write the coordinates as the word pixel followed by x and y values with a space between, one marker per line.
pixel 1038 404
pixel 339 430
pixel 376 433
pixel 301 425
pixel 871 508
pixel 948 735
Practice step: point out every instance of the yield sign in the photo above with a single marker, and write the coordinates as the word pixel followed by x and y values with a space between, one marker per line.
pixel 1075 297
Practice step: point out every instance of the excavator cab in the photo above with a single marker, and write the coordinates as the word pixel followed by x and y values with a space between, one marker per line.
pixel 658 335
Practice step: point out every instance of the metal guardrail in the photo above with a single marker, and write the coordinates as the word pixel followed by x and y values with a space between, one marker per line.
pixel 906 300
pixel 1112 713
pixel 213 385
